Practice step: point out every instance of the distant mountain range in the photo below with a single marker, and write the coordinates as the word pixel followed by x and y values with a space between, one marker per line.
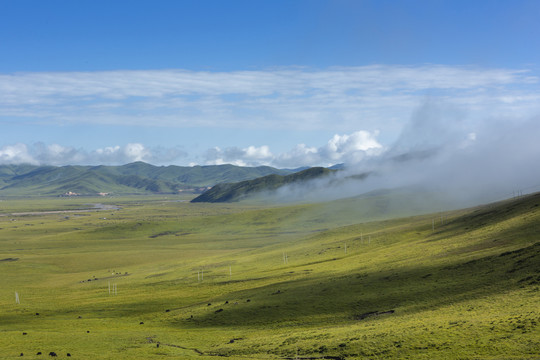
pixel 134 178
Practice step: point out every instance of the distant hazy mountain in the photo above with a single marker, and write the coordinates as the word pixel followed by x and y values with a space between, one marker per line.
pixel 136 177
pixel 228 192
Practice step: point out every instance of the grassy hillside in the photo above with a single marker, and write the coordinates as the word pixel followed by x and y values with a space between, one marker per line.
pixel 134 178
pixel 205 280
pixel 236 191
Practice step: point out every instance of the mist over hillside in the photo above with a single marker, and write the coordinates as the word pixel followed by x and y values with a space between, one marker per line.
pixel 440 153
pixel 249 188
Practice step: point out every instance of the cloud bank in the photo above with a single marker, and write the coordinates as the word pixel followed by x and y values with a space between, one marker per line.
pixel 438 153
pixel 57 155
pixel 344 98
pixel 350 148
pixel 339 149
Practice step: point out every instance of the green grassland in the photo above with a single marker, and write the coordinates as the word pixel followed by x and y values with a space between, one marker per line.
pixel 248 281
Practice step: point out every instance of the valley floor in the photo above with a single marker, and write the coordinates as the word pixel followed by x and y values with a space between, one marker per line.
pixel 155 277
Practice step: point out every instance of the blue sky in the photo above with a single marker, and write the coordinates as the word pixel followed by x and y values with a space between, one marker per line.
pixel 281 83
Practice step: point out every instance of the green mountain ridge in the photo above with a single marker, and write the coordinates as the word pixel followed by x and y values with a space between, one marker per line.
pixel 236 191
pixel 133 178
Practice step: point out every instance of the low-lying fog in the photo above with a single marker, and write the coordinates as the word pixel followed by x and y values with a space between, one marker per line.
pixel 441 152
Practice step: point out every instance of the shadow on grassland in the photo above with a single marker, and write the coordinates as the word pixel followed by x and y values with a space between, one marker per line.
pixel 347 297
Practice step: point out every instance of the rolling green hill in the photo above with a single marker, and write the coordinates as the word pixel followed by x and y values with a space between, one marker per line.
pixel 159 278
pixel 139 177
pixel 236 191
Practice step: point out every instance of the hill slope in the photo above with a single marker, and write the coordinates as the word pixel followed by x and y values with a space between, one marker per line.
pixel 205 281
pixel 236 191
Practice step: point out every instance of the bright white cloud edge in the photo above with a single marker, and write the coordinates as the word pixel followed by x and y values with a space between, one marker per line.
pixel 349 148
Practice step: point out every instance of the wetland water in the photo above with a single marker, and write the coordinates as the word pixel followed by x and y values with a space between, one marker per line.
pixel 91 207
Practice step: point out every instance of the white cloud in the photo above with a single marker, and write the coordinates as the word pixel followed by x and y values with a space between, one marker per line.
pixel 343 98
pixel 432 129
pixel 121 155
pixel 136 152
pixel 16 154
pixel 42 154
pixel 258 153
pixel 250 156
pixel 341 148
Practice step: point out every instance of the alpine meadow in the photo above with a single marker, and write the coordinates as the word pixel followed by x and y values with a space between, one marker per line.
pixel 157 276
